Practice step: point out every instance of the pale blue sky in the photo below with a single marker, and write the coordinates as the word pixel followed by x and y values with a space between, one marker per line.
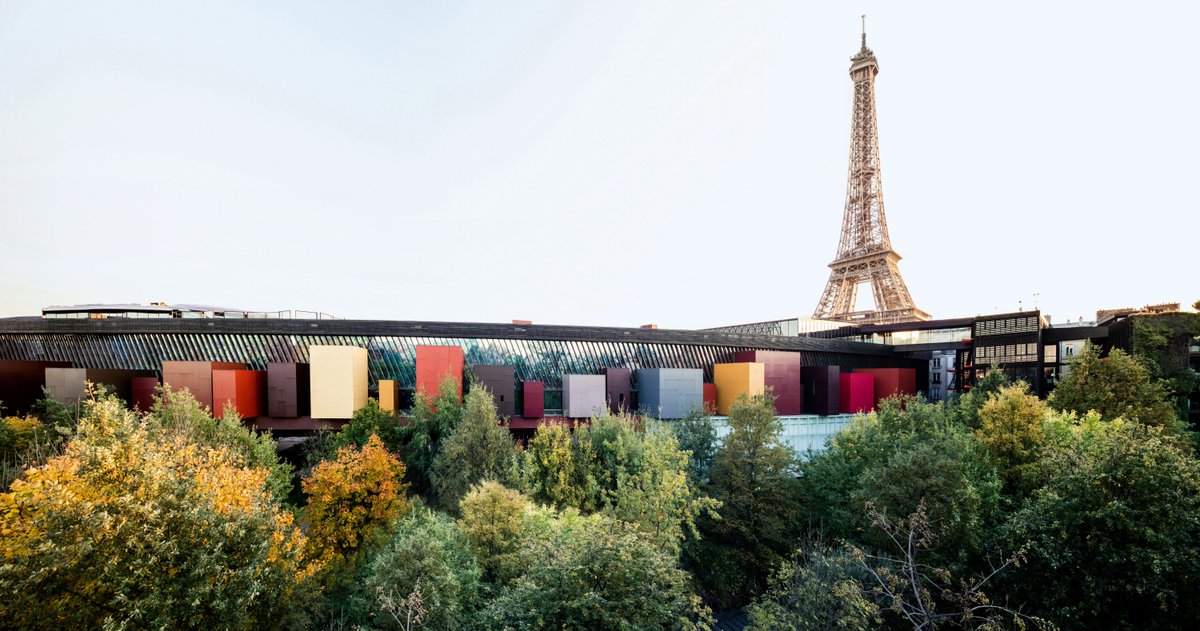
pixel 611 163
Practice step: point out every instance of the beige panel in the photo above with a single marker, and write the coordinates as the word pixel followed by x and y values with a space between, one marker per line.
pixel 66 385
pixel 389 394
pixel 338 378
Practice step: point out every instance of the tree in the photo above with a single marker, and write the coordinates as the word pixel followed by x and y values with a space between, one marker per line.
pixel 754 477
pixel 431 421
pixel 1113 386
pixel 367 421
pixel 548 471
pixel 497 521
pixel 136 527
pixel 351 498
pixel 964 408
pixel 178 412
pixel 1010 428
pixel 426 555
pixel 818 590
pixel 596 573
pixel 698 436
pixel 479 448
pixel 1114 534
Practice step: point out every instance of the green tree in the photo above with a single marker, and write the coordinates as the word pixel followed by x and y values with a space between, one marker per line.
pixel 136 527
pixel 497 521
pixel 698 436
pixel 1116 386
pixel 754 477
pixel 431 421
pixel 597 573
pixel 818 590
pixel 369 420
pixel 964 408
pixel 1010 429
pixel 427 555
pixel 1114 535
pixel 479 448
pixel 548 469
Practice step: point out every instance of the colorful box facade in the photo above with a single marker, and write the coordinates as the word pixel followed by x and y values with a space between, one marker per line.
pixel 196 377
pixel 389 394
pixel 782 376
pixel 857 393
pixel 618 389
pixel 434 364
pixel 533 396
pixel 338 378
pixel 822 389
pixel 143 390
pixel 244 390
pixel 890 382
pixel 710 398
pixel 289 394
pixel 21 383
pixel 583 396
pixel 670 393
pixel 735 379
pixel 66 385
pixel 501 381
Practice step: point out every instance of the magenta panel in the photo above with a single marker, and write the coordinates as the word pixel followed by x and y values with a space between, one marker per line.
pixel 858 393
pixel 781 373
pixel 143 391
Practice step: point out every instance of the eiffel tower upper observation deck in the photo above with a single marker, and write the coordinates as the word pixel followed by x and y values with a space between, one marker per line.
pixel 865 253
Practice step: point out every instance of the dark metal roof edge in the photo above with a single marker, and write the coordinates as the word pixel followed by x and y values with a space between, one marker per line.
pixel 121 326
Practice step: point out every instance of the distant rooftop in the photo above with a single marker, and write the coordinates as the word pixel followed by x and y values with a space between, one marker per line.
pixel 163 310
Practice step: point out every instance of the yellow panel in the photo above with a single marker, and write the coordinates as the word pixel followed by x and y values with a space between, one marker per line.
pixel 389 394
pixel 338 380
pixel 734 379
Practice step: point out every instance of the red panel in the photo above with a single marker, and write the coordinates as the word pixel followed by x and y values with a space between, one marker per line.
pixel 535 399
pixel 710 397
pixel 858 393
pixel 781 373
pixel 434 363
pixel 143 392
pixel 891 381
pixel 196 377
pixel 244 389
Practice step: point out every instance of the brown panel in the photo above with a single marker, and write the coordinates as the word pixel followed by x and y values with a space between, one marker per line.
pixel 502 383
pixel 287 390
pixel 21 383
pixel 142 392
pixel 119 381
pixel 618 386
pixel 196 377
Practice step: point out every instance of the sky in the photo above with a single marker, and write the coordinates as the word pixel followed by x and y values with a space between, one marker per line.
pixel 602 163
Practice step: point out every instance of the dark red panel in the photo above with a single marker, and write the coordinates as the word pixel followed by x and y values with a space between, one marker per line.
pixel 710 397
pixel 781 373
pixel 287 390
pixel 891 381
pixel 143 391
pixel 243 389
pixel 618 389
pixel 535 399
pixel 434 364
pixel 822 389
pixel 857 393
pixel 21 383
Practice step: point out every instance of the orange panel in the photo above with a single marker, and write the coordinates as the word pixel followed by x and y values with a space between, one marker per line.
pixel 245 390
pixel 434 364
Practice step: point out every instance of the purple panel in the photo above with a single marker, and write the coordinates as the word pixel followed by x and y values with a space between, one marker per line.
pixel 618 387
pixel 287 390
pixel 822 389
pixel 781 373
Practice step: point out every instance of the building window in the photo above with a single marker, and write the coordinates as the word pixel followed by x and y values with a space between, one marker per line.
pixel 937 362
pixel 937 377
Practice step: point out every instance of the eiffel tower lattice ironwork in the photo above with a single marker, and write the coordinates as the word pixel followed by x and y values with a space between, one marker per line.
pixel 865 253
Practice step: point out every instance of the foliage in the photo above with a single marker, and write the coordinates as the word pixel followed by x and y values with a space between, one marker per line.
pixel 1114 535
pixel 818 590
pixel 964 408
pixel 351 497
pixel 429 556
pixel 19 434
pixel 754 477
pixel 140 526
pixel 596 573
pixel 479 448
pixel 497 520
pixel 925 596
pixel 634 471
pixel 431 421
pixel 1162 343
pixel 698 436
pixel 1116 386
pixel 904 452
pixel 178 412
pixel 1011 431
pixel 367 421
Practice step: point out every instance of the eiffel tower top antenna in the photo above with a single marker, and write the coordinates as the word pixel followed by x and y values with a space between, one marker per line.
pixel 864 31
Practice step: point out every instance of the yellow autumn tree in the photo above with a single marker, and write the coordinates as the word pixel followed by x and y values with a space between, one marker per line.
pixel 351 497
pixel 132 528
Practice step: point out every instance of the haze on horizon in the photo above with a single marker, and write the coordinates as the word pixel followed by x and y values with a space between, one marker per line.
pixel 608 163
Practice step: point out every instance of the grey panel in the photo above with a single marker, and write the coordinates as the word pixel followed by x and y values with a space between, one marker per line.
pixel 670 392
pixel 583 395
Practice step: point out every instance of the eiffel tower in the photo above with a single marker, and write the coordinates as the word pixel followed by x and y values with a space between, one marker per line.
pixel 865 253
